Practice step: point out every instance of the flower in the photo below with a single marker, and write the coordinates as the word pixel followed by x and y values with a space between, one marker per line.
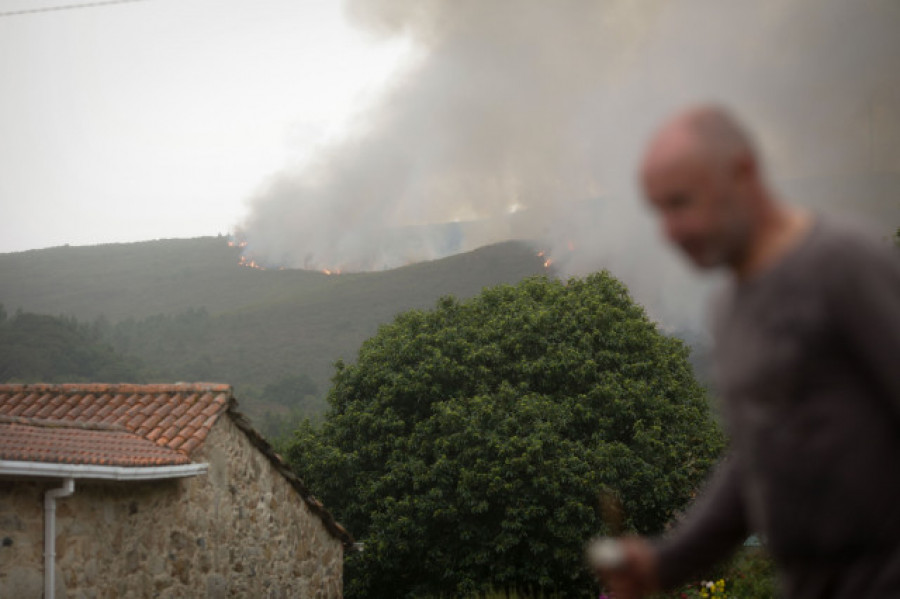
pixel 713 590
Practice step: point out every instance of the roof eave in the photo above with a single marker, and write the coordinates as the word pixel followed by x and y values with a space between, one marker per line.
pixel 98 472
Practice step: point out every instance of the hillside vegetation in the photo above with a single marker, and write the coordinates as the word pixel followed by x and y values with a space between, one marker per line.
pixel 189 311
pixel 39 347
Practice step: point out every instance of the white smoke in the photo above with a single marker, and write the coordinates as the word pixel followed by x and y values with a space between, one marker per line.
pixel 525 119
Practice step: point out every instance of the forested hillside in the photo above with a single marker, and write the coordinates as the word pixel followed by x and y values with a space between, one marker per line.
pixel 38 347
pixel 188 311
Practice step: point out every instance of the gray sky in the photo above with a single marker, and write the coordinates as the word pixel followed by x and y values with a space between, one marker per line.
pixel 161 118
pixel 180 118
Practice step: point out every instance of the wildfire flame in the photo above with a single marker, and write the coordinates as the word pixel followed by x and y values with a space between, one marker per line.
pixel 250 263
pixel 240 244
pixel 328 271
pixel 548 261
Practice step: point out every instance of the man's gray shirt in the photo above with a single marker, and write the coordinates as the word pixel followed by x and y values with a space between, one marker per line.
pixel 808 368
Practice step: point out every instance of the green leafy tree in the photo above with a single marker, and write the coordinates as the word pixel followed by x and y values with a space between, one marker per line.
pixel 468 445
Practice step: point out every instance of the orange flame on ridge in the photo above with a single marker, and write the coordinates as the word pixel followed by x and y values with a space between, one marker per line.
pixel 250 263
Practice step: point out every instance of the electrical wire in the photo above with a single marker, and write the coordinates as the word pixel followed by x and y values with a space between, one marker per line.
pixel 31 11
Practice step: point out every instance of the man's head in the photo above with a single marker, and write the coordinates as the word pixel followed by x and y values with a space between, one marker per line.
pixel 701 175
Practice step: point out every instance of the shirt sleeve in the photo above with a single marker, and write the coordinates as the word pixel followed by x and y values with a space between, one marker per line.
pixel 713 528
pixel 865 300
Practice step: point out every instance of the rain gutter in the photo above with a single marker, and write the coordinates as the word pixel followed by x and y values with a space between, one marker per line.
pixel 92 471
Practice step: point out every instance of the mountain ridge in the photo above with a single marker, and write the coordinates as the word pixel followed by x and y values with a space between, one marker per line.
pixel 188 311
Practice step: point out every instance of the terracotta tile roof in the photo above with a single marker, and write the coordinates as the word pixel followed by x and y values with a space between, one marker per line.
pixel 134 425
pixel 129 425
pixel 27 440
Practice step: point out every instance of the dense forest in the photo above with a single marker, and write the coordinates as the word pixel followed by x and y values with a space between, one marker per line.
pixel 38 347
pixel 186 310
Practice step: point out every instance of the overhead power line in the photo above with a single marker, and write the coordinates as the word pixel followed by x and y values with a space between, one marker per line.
pixel 31 11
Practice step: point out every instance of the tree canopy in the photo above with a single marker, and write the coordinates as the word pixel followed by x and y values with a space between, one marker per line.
pixel 468 445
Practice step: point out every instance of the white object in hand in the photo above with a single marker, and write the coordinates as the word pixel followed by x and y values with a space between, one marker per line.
pixel 606 554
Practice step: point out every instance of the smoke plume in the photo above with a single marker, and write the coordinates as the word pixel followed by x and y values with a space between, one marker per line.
pixel 525 119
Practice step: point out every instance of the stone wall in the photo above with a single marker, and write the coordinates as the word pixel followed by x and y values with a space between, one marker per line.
pixel 239 531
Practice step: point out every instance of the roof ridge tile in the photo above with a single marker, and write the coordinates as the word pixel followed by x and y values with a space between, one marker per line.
pixel 70 388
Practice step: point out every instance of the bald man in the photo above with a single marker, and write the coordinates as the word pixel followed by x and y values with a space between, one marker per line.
pixel 807 340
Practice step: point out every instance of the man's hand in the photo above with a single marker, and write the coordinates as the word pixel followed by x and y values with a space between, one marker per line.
pixel 637 575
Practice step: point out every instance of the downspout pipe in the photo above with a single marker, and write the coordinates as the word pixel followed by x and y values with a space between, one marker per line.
pixel 50 497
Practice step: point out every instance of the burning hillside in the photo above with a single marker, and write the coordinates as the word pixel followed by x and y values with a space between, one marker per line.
pixel 521 119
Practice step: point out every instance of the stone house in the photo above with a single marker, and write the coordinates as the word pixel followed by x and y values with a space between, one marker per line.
pixel 111 491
